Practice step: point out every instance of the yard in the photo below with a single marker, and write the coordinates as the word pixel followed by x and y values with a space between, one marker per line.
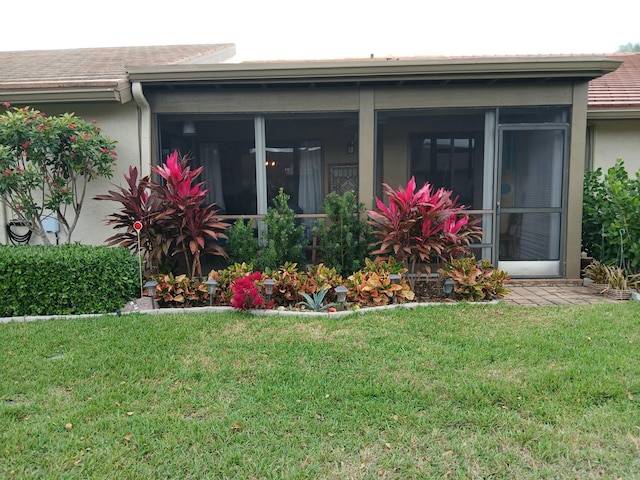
pixel 437 392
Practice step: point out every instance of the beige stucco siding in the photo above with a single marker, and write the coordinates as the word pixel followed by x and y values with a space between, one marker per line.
pixel 615 139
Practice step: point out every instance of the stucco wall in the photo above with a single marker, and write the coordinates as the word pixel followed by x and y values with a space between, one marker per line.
pixel 613 139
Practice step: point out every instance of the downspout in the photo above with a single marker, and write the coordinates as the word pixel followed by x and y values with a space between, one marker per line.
pixel 4 220
pixel 144 129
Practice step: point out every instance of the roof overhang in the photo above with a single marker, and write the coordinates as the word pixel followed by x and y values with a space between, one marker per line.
pixel 489 69
pixel 613 113
pixel 66 92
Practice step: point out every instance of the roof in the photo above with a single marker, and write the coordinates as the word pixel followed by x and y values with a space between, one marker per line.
pixel 99 73
pixel 105 74
pixel 617 92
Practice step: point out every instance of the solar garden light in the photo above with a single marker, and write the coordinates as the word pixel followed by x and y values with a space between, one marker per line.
pixel 447 287
pixel 341 292
pixel 212 285
pixel 151 287
pixel 395 279
pixel 268 288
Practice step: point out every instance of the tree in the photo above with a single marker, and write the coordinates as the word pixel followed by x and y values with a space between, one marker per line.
pixel 46 164
pixel 629 48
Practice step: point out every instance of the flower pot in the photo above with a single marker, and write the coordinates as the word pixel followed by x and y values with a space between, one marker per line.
pixel 616 294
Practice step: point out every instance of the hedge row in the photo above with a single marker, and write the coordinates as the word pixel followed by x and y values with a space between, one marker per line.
pixel 65 279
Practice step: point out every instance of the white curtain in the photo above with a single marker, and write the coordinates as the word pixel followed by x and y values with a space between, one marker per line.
pixel 310 181
pixel 209 158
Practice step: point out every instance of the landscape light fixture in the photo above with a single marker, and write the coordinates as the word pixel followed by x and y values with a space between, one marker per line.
pixel 447 287
pixel 268 288
pixel 341 293
pixel 395 279
pixel 151 286
pixel 212 285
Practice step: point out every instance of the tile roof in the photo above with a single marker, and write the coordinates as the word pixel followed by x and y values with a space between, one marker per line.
pixel 88 67
pixel 619 89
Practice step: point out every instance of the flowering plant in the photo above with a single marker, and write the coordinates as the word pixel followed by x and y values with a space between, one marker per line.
pixel 246 295
pixel 46 164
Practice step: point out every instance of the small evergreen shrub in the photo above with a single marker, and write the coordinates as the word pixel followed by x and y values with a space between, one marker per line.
pixel 284 239
pixel 345 237
pixel 611 217
pixel 242 245
pixel 66 279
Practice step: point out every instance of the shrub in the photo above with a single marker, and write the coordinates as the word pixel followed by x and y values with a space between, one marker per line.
pixel 246 294
pixel 288 282
pixel 475 281
pixel 180 291
pixel 225 279
pixel 65 279
pixel 372 286
pixel 283 238
pixel 344 237
pixel 242 245
pixel 175 216
pixel 421 226
pixel 611 217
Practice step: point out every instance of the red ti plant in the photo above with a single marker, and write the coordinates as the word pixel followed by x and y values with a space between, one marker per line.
pixel 186 212
pixel 175 217
pixel 138 204
pixel 421 225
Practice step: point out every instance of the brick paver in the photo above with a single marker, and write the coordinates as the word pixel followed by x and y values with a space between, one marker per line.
pixel 543 292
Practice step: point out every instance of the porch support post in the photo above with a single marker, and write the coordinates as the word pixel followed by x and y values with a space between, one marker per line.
pixel 366 147
pixel 576 180
pixel 261 171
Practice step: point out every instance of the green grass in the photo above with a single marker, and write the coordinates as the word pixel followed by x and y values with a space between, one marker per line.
pixel 435 392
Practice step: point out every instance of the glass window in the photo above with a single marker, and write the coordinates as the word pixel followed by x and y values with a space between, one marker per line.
pixel 450 161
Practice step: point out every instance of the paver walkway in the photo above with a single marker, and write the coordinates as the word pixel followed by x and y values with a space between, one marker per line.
pixel 551 292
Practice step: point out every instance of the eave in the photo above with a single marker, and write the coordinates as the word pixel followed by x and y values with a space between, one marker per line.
pixel 42 92
pixel 489 69
pixel 613 113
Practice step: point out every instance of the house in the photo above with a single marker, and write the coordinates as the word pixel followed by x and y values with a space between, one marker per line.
pixel 613 116
pixel 506 134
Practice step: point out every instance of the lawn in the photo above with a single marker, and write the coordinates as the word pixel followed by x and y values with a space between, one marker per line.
pixel 492 391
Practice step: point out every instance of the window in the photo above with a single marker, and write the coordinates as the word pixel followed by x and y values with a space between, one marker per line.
pixel 448 160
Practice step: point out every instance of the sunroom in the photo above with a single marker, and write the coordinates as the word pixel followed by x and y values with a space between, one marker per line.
pixel 506 135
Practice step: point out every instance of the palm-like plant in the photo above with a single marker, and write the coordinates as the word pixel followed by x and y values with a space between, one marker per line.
pixel 421 225
pixel 175 217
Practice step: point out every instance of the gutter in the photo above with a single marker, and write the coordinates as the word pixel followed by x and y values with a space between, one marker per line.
pixel 476 68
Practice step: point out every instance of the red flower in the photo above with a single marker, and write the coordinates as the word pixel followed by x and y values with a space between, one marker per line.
pixel 41 128
pixel 72 125
pixel 73 138
pixel 6 104
pixel 25 144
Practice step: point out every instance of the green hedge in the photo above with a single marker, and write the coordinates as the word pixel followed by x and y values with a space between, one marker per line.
pixel 65 279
